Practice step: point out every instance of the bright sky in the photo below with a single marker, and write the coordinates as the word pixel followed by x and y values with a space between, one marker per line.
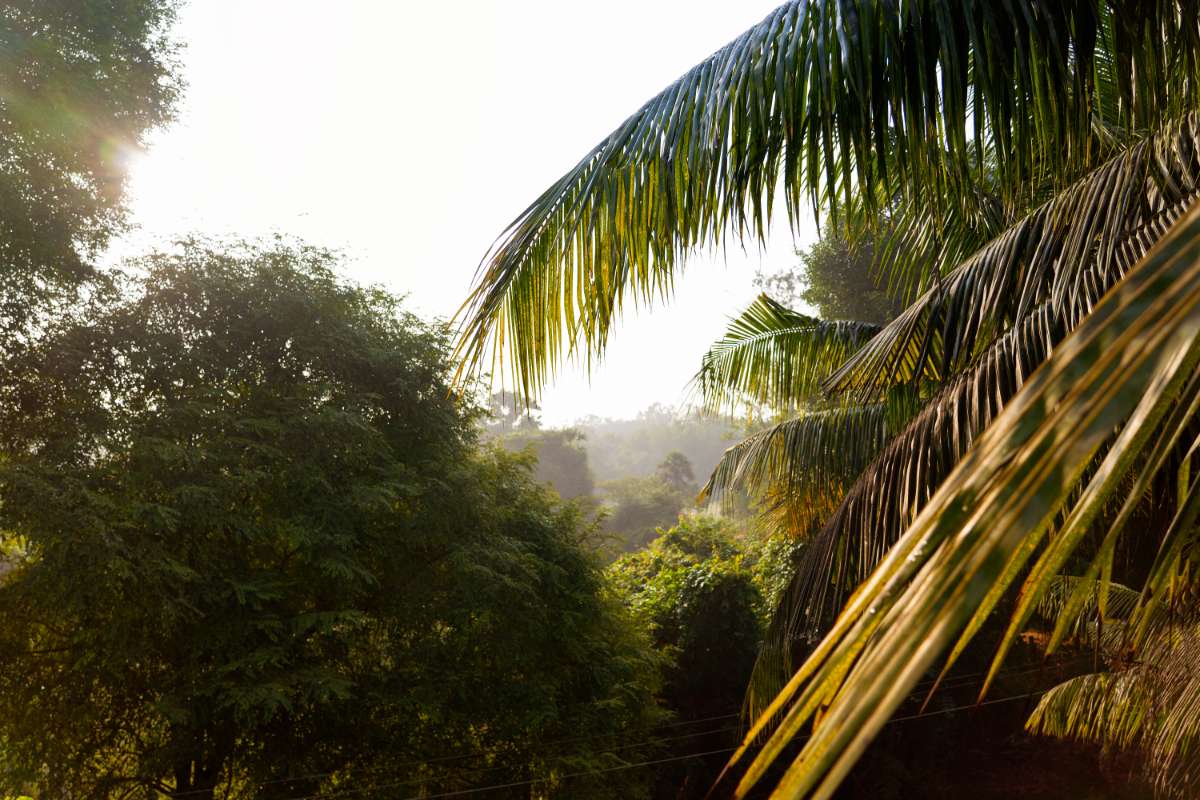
pixel 407 134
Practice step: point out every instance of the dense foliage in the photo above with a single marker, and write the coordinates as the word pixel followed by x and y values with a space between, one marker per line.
pixel 699 590
pixel 839 278
pixel 638 507
pixel 84 81
pixel 255 550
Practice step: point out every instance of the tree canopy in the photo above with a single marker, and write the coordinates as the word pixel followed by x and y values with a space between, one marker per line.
pixel 842 279
pixel 85 81
pixel 255 550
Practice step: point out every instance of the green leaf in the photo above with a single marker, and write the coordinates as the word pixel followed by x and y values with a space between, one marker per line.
pixel 1119 364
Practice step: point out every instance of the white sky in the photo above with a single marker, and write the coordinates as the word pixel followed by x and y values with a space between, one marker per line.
pixel 408 134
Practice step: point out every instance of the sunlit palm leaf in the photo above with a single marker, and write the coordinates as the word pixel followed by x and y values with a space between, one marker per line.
pixel 774 356
pixel 814 454
pixel 1106 708
pixel 1068 253
pixel 1150 704
pixel 830 99
pixel 890 493
pixel 1118 605
pixel 1122 367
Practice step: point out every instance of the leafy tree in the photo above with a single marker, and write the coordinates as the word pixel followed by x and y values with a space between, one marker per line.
pixel 675 472
pixel 841 279
pixel 84 82
pixel 1019 413
pixel 694 588
pixel 255 551
pixel 639 507
pixel 562 460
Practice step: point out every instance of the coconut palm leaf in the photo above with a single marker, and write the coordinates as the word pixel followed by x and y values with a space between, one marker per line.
pixel 1123 367
pixel 1149 704
pixel 1105 708
pixel 774 356
pixel 887 496
pixel 803 463
pixel 890 492
pixel 826 99
pixel 1119 602
pixel 1068 252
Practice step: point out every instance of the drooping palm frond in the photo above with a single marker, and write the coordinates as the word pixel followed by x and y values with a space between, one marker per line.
pixel 1105 708
pixel 887 496
pixel 890 493
pixel 775 356
pixel 1067 252
pixel 923 247
pixel 806 461
pixel 1107 601
pixel 1149 704
pixel 831 100
pixel 1122 368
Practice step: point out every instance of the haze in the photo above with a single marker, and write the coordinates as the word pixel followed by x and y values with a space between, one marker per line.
pixel 409 134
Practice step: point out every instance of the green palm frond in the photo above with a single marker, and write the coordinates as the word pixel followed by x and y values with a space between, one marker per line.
pixel 1093 612
pixel 1149 705
pixel 775 356
pixel 814 453
pixel 891 491
pixel 1105 708
pixel 1123 368
pixel 1119 602
pixel 826 100
pixel 1175 747
pixel 1067 252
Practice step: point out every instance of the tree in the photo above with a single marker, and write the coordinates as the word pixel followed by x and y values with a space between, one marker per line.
pixel 562 460
pixel 1040 188
pixel 257 552
pixel 695 589
pixel 839 278
pixel 84 82
pixel 675 472
pixel 639 507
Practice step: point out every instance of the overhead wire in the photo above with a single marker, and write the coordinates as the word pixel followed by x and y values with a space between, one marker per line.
pixel 584 773
pixel 956 682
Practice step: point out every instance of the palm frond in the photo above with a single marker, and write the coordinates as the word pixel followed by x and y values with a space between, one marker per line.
pixel 775 356
pixel 805 461
pixel 1067 252
pixel 827 99
pixel 1105 708
pixel 887 496
pixel 1122 368
pixel 1149 705
pixel 890 492
pixel 1117 604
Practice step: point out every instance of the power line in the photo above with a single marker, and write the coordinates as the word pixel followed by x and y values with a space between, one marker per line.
pixel 479 770
pixel 534 781
pixel 955 682
pixel 531 782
